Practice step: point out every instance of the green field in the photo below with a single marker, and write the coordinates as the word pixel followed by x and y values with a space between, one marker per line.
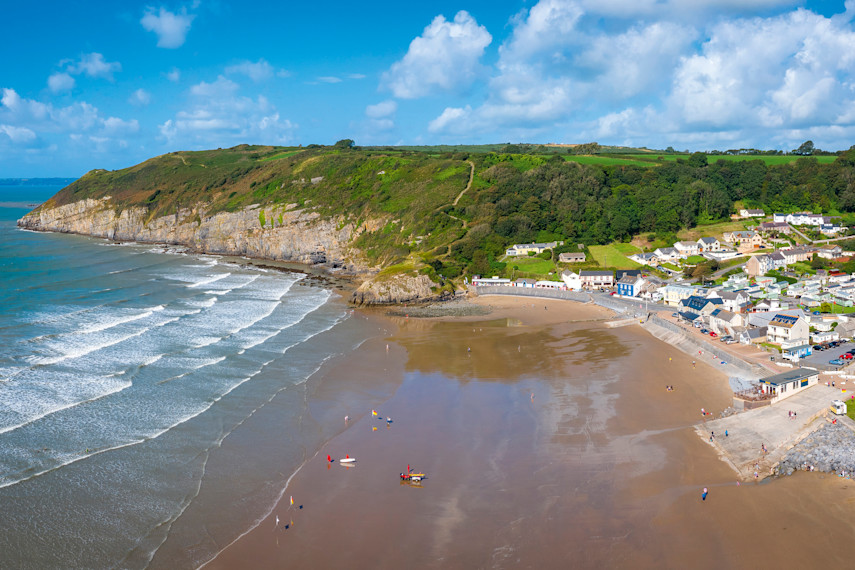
pixel 608 160
pixel 611 256
pixel 768 159
pixel 530 265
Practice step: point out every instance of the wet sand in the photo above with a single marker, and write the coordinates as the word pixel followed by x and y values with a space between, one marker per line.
pixel 549 441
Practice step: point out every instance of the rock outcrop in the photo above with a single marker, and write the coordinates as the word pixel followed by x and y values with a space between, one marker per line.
pixel 394 290
pixel 284 233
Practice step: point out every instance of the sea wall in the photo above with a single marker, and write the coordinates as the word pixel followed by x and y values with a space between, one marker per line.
pixel 830 449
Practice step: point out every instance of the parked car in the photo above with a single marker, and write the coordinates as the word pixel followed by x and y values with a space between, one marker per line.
pixel 725 338
pixel 704 331
pixel 836 362
pixel 730 341
pixel 675 315
pixel 713 334
pixel 846 356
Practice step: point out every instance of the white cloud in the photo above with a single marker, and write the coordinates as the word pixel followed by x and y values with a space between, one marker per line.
pixel 219 116
pixel 60 82
pixel 382 109
pixel 18 134
pixel 257 71
pixel 27 122
pixel 329 79
pixel 171 28
pixel 446 57
pixel 174 75
pixel 94 65
pixel 448 117
pixel 140 98
pixel 222 87
pixel 355 76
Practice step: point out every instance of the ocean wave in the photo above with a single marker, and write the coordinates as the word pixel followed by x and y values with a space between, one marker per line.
pixel 210 279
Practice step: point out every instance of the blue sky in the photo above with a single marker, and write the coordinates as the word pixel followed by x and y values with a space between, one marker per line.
pixel 87 84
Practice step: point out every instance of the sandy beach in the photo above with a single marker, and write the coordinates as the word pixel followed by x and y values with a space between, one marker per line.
pixel 549 441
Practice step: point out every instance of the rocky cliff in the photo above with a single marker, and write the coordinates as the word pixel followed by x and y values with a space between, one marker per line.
pixel 284 233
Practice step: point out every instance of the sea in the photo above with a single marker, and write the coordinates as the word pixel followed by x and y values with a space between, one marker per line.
pixel 153 403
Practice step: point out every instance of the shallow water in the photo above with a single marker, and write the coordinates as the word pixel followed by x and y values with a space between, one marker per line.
pixel 152 404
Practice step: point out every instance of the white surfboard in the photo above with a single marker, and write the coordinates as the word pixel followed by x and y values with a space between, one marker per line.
pixel 347 460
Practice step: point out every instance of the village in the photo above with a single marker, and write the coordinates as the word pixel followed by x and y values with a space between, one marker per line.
pixel 769 299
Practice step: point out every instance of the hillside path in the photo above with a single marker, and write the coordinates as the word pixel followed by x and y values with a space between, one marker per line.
pixel 469 185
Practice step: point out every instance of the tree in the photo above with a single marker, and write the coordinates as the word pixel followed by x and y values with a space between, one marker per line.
pixel 344 143
pixel 698 159
pixel 806 149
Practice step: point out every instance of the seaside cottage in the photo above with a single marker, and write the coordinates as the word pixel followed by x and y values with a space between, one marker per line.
pixel 645 258
pixel 522 282
pixel 629 285
pixel 571 280
pixel 786 384
pixel 784 327
pixel 594 279
pixel 576 257
pixel 687 248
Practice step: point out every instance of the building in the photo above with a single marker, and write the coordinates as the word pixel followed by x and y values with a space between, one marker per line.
pixel 629 285
pixel 759 264
pixel 576 257
pixel 830 229
pixel 796 254
pixel 687 248
pixel 782 227
pixel 784 328
pixel 673 294
pixel 667 254
pixel 788 383
pixel 802 219
pixel 489 282
pixel 830 251
pixel 535 248
pixel 644 258
pixel 709 244
pixel 592 279
pixel 571 280
pixel 700 305
pixel 543 284
pixel 724 321
pixel 525 283
pixel 743 213
pixel 744 240
pixel 733 301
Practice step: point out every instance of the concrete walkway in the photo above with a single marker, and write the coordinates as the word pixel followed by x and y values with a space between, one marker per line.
pixel 770 425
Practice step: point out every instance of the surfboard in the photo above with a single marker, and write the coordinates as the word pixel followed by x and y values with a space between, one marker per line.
pixel 347 460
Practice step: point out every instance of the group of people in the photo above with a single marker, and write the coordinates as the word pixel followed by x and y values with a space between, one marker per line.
pixel 792 414
pixel 669 388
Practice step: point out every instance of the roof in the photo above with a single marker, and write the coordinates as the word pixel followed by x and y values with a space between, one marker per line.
pixel 595 273
pixel 620 273
pixel 789 376
pixel 689 316
pixel 782 320
pixel 686 243
pixel 628 280
pixel 708 240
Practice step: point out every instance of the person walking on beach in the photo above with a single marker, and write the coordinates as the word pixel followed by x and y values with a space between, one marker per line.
pixel 704 494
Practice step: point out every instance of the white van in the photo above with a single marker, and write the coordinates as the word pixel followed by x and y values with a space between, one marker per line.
pixel 838 407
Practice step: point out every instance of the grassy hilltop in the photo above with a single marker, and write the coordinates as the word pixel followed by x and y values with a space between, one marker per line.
pixel 452 210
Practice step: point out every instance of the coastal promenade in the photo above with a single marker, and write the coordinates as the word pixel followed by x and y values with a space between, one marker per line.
pixel 771 426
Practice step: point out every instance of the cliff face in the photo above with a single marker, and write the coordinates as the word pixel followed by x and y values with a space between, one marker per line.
pixel 282 233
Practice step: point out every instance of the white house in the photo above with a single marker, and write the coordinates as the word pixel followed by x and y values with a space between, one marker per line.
pixel 571 280
pixel 594 278
pixel 709 244
pixel 687 248
pixel 644 258
pixel 526 248
pixel 748 213
pixel 784 327
pixel 667 254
